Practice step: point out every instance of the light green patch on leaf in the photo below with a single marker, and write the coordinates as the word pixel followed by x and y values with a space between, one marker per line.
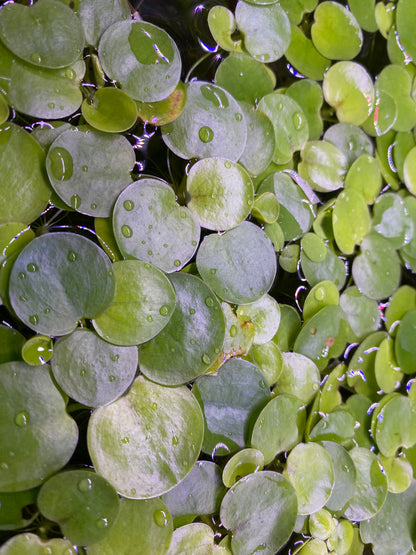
pixel 345 475
pixel 300 377
pixel 350 205
pixel 396 81
pixel 322 294
pixel 399 473
pixel 305 57
pixel 365 177
pixel 362 313
pixel 243 463
pixel 323 165
pixel 222 24
pixel 163 112
pixel 265 316
pixel 99 112
pixel 31 544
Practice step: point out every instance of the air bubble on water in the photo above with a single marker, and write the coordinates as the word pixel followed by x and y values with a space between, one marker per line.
pixel 294 72
pixel 390 157
pixel 393 326
pixel 370 350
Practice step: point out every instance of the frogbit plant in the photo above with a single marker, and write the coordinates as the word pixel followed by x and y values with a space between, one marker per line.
pixel 207 258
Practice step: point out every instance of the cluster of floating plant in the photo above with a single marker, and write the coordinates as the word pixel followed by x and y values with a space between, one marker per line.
pixel 163 390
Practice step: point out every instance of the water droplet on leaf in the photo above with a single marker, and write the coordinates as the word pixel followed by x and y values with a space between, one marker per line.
pixel 22 418
pixel 128 205
pixel 32 267
pixel 85 484
pixel 160 518
pixel 206 134
pixel 126 231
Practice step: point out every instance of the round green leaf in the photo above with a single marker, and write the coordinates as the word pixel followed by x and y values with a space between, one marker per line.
pixel 142 306
pixel 310 471
pixel 146 522
pixel 370 486
pixel 376 270
pixel 199 493
pixel 335 32
pixel 349 205
pixel 221 23
pixel 404 345
pixel 313 247
pixel 396 425
pixel 322 294
pixel 268 358
pixel 244 77
pixel 260 510
pixel 402 301
pixel 14 507
pixel 270 439
pixel 82 503
pixel 11 343
pixel 147 441
pixel 266 30
pixel 221 193
pixel 192 339
pixel 92 371
pixel 24 189
pixel 89 183
pixel 304 56
pixel 37 350
pixel 142 57
pixel 239 265
pixel 391 220
pixel 59 278
pixel 321 524
pixel 362 313
pixel 38 436
pixel 351 140
pixel 46 19
pixel 246 461
pixel 265 315
pixel 150 225
pixel 348 88
pixel 260 145
pixel 331 268
pixel 231 402
pixel 46 93
pixel 399 473
pixel 361 367
pixel 364 176
pixel 163 111
pixel 300 377
pixel 405 13
pixel 97 15
pixel 266 208
pixel 323 165
pixel 290 125
pixel 210 125
pixel 31 544
pixel 99 111
pixel 391 530
pixel 195 538
pixel 345 475
pixel 337 426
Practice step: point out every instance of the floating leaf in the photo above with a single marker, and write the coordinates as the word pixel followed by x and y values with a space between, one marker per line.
pixel 310 471
pixel 231 402
pixel 222 24
pixel 164 111
pixel 154 63
pixel 39 437
pixel 345 475
pixel 210 125
pixel 150 225
pixel 322 294
pixel 361 367
pixel 260 509
pixel 47 18
pixel 142 306
pixel 24 189
pixel 97 15
pixel 260 145
pixel 371 486
pixel 308 94
pixel 90 184
pixel 37 350
pixel 240 265
pixel 362 313
pixel 364 13
pixel 221 193
pixel 305 57
pixel 98 111
pixel 191 339
pixel 82 503
pixel 396 81
pixel 405 13
pixel 11 342
pixel 271 439
pixel 351 140
pixel 350 204
pixel 147 441
pixel 399 473
pixel 243 463
pixel 386 371
pixel 402 301
pixel 267 357
pixel 300 377
pixel 92 371
pixel 391 220
pixel 265 28
pixel 186 538
pixel 337 426
pixel 31 544
pixel 395 425
pixel 364 176
pixel 12 509
pixel 323 165
pixel 265 316
pixel 146 522
pixel 331 268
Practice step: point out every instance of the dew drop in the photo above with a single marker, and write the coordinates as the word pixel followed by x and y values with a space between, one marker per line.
pixel 84 168
pixel 82 372
pixel 233 330
pixel 70 74
pixel 191 311
pixel 238 116
pixel 60 164
pixel 320 294
pixel 149 318
pixel 32 267
pixel 209 301
pixel 47 310
pixel 147 266
pixel 175 440
pixel 160 518
pixel 165 245
pixel 23 298
pixel 128 205
pixel 36 58
pixel 298 121
pixel 164 310
pixel 177 263
pixel 114 358
pixel 111 378
pixel 21 275
pixel 126 231
pixel 183 215
pixel 93 206
pixel 194 243
pixel 227 165
pixel 133 491
pixel 279 106
pixel 125 440
pixel 192 342
pixel 85 484
pixel 4 466
pixel 206 134
pixel 206 359
pixel 51 105
pixel 72 256
pixel 47 551
pixel 213 271
pixel 22 418
pixel 101 523
pixel 150 253
pixel 34 319
pixel 75 201
pixel 153 406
